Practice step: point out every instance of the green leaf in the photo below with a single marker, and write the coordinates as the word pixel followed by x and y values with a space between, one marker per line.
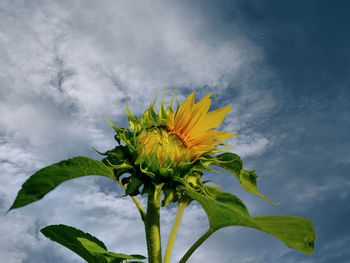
pixel 222 208
pixel 85 245
pixel 99 252
pixel 230 162
pixel 48 178
pixel 248 181
pixel 233 164
pixel 296 232
pixel 68 236
pixel 225 209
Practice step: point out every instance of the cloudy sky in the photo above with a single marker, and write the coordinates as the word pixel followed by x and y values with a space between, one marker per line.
pixel 283 65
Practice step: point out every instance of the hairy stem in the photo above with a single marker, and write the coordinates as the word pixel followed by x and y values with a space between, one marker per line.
pixel 181 207
pixel 137 203
pixel 152 226
pixel 196 245
pixel 139 207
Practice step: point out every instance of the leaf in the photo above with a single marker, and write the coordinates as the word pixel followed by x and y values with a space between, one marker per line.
pixel 296 232
pixel 48 178
pixel 248 181
pixel 225 209
pixel 222 208
pixel 85 245
pixel 99 252
pixel 230 162
pixel 233 164
pixel 68 236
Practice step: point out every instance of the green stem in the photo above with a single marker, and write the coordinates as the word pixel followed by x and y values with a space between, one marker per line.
pixel 137 203
pixel 181 207
pixel 139 207
pixel 196 245
pixel 152 226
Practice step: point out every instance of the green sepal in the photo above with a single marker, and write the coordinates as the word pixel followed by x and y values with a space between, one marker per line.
pixel 149 117
pixel 143 164
pixel 194 181
pixel 184 167
pixel 124 135
pixel 153 162
pixel 48 178
pixel 190 181
pixel 177 103
pixel 117 155
pixel 119 159
pixel 132 186
pixel 122 169
pixel 170 195
pixel 162 115
pixel 134 122
pixel 225 209
pixel 166 172
pixel 119 169
pixel 85 245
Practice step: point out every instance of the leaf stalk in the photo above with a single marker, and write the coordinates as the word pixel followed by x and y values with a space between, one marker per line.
pixel 196 245
pixel 180 209
pixel 137 203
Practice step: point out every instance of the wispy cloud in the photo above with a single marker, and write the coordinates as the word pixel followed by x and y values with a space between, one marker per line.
pixel 65 65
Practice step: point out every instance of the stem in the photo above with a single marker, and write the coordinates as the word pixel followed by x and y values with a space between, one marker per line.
pixel 137 203
pixel 196 245
pixel 181 207
pixel 152 226
pixel 139 207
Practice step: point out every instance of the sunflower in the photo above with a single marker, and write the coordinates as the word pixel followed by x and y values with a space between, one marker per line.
pixel 172 149
pixel 185 135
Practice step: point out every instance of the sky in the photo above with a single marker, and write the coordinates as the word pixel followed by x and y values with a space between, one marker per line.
pixel 283 65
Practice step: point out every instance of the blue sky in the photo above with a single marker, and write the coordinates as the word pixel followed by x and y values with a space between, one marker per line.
pixel 283 65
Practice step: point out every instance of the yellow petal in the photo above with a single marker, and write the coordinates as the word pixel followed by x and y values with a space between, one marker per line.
pixel 183 116
pixel 211 120
pixel 211 136
pixel 192 126
pixel 199 111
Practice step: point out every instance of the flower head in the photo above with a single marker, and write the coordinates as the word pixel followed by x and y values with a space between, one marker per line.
pixel 185 135
pixel 173 144
pixel 171 149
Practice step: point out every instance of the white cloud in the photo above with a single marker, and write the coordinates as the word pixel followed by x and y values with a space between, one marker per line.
pixel 250 144
pixel 320 190
pixel 65 65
